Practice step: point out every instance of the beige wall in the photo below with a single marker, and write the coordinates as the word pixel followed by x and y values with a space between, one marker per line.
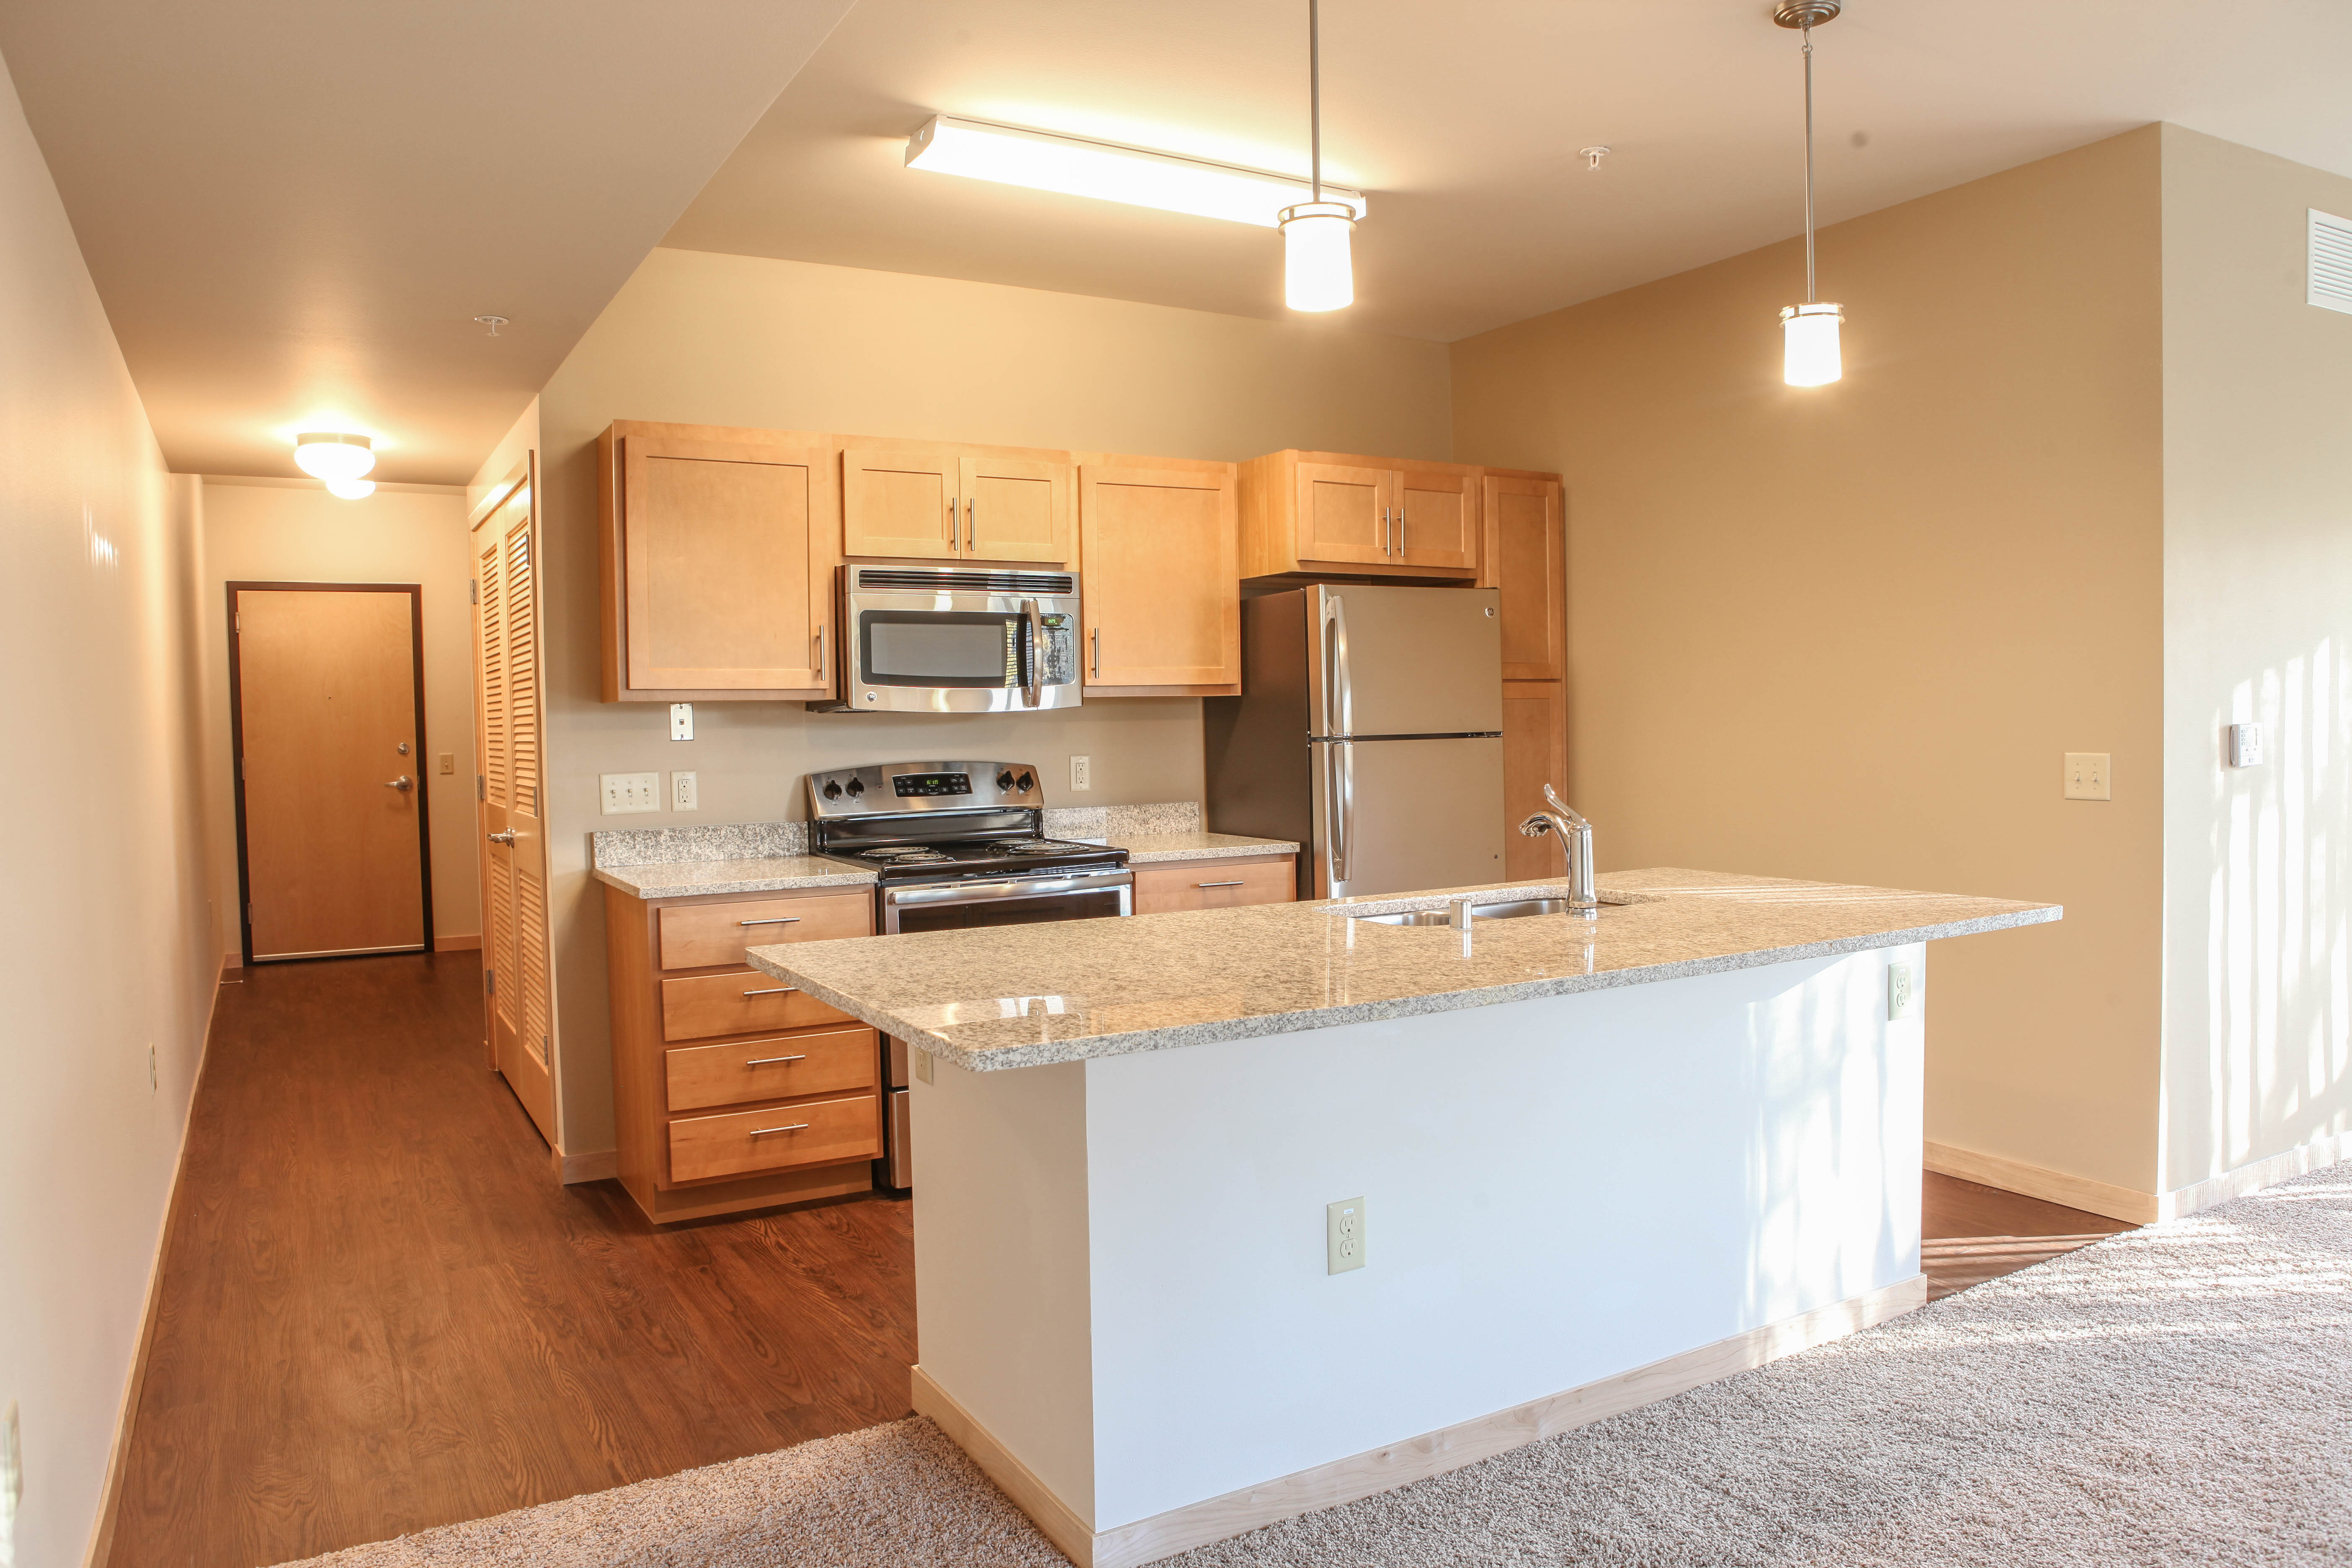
pixel 728 340
pixel 104 946
pixel 2258 627
pixel 264 532
pixel 1849 633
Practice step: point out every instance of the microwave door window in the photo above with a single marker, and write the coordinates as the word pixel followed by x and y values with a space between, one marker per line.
pixel 936 649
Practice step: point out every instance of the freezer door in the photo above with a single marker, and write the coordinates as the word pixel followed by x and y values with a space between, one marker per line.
pixel 1406 816
pixel 1404 661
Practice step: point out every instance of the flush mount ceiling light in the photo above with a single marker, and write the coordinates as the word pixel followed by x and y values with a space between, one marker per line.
pixel 1108 171
pixel 1810 351
pixel 1319 272
pixel 352 489
pixel 332 455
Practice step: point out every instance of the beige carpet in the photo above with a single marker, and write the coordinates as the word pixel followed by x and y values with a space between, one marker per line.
pixel 2179 1395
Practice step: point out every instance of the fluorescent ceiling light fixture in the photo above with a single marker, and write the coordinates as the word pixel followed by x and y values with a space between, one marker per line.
pixel 332 455
pixel 1077 167
pixel 352 489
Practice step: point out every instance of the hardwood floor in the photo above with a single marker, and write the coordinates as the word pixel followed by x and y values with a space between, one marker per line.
pixel 1974 1233
pixel 381 1312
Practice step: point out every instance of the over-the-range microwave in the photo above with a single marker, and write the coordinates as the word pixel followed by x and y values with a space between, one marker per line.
pixel 956 639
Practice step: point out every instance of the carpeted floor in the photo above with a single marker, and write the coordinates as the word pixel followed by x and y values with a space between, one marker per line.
pixel 2177 1394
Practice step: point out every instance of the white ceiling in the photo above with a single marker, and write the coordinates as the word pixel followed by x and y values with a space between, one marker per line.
pixel 1462 122
pixel 294 210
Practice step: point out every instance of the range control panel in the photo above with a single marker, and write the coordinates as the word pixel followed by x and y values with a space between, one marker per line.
pixel 925 786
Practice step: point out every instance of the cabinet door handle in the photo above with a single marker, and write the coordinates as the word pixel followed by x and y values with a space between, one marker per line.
pixel 820 655
pixel 954 544
pixel 764 1061
pixel 1232 884
pixel 971 523
pixel 763 1131
pixel 1096 637
pixel 770 990
pixel 773 921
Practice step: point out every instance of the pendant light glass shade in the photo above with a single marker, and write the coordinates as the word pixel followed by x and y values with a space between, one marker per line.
pixel 1319 269
pixel 1809 355
pixel 332 455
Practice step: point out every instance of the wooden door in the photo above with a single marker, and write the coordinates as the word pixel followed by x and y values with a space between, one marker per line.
pixel 1163 585
pixel 902 502
pixel 1345 514
pixel 1535 753
pixel 518 989
pixel 327 706
pixel 728 563
pixel 1527 561
pixel 1015 508
pixel 1440 513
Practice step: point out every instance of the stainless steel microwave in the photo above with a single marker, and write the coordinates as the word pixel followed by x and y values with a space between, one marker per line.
pixel 952 639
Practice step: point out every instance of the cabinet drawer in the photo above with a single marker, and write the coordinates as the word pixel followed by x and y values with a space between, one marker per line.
pixel 746 1001
pixel 695 936
pixel 1215 885
pixel 814 1133
pixel 826 1063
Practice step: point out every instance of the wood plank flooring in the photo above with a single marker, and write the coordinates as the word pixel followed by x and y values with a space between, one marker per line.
pixel 1972 1234
pixel 381 1312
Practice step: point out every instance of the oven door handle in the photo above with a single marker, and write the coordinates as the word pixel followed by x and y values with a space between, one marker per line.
pixel 985 892
pixel 1032 688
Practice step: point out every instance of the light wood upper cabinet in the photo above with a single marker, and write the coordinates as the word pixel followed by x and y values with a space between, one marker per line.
pixel 1319 512
pixel 1162 582
pixel 1526 560
pixel 907 501
pixel 718 548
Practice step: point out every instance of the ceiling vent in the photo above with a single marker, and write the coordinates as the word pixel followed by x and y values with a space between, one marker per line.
pixel 2331 262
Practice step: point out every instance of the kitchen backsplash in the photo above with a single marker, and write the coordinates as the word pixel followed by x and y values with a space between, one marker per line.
pixel 617 848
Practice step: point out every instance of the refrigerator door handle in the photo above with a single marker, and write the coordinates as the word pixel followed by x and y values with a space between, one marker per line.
pixel 1347 804
pixel 1335 756
pixel 1337 686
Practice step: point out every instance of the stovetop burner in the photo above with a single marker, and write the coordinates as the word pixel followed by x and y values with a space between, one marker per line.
pixel 944 821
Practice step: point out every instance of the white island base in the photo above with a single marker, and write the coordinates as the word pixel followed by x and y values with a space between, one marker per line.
pixel 1575 1205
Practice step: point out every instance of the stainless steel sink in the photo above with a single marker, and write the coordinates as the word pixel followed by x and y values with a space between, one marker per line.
pixel 1512 910
pixel 1408 917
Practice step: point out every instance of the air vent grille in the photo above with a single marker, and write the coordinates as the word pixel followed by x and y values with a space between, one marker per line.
pixel 953 582
pixel 2331 262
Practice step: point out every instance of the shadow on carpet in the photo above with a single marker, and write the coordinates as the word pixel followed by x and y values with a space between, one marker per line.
pixel 2177 1394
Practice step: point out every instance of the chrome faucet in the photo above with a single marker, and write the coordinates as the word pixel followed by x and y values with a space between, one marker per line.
pixel 1575 836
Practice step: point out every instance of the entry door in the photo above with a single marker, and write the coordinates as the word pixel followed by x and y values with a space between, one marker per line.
pixel 519 998
pixel 326 688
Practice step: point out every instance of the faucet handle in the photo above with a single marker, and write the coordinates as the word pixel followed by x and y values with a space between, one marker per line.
pixel 1575 818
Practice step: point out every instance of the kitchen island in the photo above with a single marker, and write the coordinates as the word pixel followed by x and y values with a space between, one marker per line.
pixel 1594 1162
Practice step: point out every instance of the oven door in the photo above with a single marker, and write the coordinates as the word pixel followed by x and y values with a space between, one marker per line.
pixel 1011 902
pixel 960 653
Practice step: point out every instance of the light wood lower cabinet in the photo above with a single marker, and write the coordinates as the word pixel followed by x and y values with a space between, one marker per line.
pixel 733 1091
pixel 1170 885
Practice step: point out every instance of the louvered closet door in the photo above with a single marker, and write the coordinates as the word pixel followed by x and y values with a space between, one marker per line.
pixel 514 863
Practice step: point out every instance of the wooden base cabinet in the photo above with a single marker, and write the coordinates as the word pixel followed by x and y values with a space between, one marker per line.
pixel 1166 886
pixel 734 1092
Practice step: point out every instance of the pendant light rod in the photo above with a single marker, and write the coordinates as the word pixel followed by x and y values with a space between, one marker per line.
pixel 1315 95
pixel 1812 291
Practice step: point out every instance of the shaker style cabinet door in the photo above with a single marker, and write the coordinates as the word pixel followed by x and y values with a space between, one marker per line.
pixel 725 552
pixel 1345 514
pixel 1016 510
pixel 1535 753
pixel 1526 560
pixel 1162 584
pixel 1439 513
pixel 906 502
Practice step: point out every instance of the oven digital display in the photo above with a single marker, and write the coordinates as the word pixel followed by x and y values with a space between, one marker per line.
pixel 931 784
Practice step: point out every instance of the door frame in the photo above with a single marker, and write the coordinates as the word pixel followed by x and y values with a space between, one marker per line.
pixel 416 592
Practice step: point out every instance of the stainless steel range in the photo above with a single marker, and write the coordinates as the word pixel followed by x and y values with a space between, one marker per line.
pixel 954 844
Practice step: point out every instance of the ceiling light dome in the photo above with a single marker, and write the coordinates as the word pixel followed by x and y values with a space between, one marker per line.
pixel 352 489
pixel 332 455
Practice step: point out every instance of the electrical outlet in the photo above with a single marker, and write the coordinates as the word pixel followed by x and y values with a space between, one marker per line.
pixel 2087 775
pixel 1082 772
pixel 1902 991
pixel 12 1483
pixel 1343 1235
pixel 2245 745
pixel 449 761
pixel 681 791
pixel 681 721
pixel 626 793
pixel 921 1061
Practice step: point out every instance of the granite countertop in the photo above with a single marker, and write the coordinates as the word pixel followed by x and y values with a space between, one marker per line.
pixel 1015 996
pixel 1143 848
pixel 752 874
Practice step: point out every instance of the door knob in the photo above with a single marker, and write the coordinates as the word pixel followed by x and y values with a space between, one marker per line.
pixel 506 837
pixel 401 782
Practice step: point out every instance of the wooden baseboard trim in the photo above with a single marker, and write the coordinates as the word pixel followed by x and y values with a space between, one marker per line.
pixel 457 943
pixel 2327 1149
pixel 1414 1459
pixel 601 1166
pixel 2125 1204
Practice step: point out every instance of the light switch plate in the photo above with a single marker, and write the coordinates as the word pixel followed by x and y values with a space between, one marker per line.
pixel 1901 990
pixel 449 761
pixel 626 793
pixel 681 721
pixel 2245 745
pixel 2087 775
pixel 1343 1237
pixel 682 793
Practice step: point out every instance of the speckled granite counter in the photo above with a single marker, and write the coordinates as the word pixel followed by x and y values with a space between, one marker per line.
pixel 1143 848
pixel 1026 995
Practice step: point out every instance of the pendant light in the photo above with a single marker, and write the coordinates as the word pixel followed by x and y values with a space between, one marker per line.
pixel 1809 353
pixel 1318 272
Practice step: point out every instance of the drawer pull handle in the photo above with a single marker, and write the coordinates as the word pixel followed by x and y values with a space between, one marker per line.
pixel 763 1061
pixel 776 921
pixel 1231 884
pixel 770 990
pixel 763 1131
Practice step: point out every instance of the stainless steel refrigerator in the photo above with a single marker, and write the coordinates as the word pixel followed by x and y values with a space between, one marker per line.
pixel 1368 731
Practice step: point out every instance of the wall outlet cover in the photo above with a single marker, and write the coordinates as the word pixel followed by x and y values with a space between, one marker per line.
pixel 681 721
pixel 1082 772
pixel 1902 991
pixel 682 793
pixel 2245 745
pixel 626 793
pixel 1343 1235
pixel 2087 775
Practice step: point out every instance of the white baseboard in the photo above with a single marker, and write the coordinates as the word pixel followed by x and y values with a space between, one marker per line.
pixel 2327 1149
pixel 1397 1464
pixel 2131 1207
pixel 601 1166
